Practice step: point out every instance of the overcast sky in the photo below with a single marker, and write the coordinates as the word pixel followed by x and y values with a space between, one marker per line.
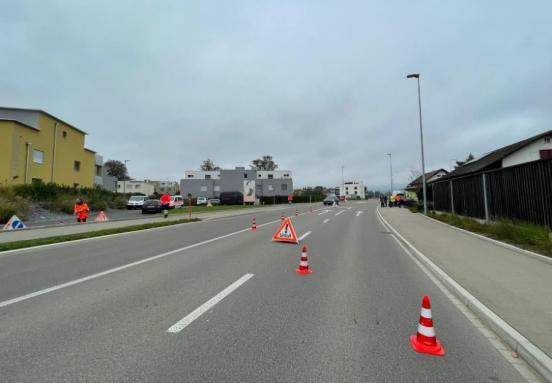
pixel 316 84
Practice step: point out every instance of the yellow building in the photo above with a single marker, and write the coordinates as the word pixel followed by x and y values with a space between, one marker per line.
pixel 36 146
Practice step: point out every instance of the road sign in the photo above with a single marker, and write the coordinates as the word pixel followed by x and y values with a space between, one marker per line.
pixel 14 223
pixel 286 232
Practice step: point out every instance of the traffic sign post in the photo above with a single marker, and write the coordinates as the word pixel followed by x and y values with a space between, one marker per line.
pixel 189 205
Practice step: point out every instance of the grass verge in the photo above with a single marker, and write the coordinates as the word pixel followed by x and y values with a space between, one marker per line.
pixel 526 236
pixel 91 234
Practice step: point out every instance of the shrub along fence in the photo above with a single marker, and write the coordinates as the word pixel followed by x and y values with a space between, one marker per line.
pixel 520 193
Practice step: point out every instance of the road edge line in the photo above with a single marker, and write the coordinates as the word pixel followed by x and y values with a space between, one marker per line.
pixel 531 354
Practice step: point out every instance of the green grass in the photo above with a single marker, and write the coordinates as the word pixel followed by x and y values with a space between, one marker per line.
pixel 524 235
pixel 205 209
pixel 90 234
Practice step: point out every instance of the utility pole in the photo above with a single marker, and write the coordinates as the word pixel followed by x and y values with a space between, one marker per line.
pixel 391 170
pixel 124 181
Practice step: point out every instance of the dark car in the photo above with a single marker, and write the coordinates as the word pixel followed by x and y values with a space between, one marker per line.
pixel 231 198
pixel 331 200
pixel 151 206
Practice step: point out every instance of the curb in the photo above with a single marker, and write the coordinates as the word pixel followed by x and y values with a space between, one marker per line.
pixel 508 246
pixel 534 356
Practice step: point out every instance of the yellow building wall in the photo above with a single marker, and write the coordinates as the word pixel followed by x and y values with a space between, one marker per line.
pixel 13 154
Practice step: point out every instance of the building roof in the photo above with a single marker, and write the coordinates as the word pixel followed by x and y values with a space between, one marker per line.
pixel 19 122
pixel 46 113
pixel 493 159
pixel 418 181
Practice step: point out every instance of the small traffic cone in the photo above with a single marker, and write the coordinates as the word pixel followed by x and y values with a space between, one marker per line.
pixel 304 264
pixel 253 224
pixel 296 213
pixel 425 340
pixel 101 217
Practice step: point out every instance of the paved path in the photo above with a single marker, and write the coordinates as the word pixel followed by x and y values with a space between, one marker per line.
pixel 101 310
pixel 515 286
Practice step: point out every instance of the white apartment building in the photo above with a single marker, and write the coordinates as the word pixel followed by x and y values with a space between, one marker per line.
pixel 353 190
pixel 133 186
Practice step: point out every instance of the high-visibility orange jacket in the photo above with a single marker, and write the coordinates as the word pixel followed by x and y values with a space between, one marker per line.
pixel 81 210
pixel 165 199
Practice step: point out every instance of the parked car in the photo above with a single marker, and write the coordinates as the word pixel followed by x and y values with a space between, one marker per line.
pixel 151 206
pixel 215 201
pixel 231 198
pixel 177 201
pixel 201 201
pixel 330 200
pixel 136 202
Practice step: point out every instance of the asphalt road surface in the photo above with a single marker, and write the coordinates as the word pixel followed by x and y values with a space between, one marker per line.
pixel 221 303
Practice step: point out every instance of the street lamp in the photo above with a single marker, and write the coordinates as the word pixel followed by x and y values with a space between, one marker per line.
pixel 124 180
pixel 391 170
pixel 417 77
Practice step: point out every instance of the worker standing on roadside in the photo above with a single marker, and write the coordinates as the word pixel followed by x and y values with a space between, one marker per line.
pixel 81 210
pixel 165 203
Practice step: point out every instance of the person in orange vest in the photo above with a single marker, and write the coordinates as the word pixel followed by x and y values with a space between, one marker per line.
pixel 81 210
pixel 165 203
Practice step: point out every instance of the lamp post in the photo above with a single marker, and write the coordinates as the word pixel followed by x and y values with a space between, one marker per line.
pixel 391 170
pixel 124 181
pixel 417 77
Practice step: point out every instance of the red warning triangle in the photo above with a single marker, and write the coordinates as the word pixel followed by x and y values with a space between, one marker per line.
pixel 286 232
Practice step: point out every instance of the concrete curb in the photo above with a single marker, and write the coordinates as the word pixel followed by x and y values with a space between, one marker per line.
pixel 508 246
pixel 533 355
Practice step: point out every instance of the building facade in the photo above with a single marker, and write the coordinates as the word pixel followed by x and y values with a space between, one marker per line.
pixel 210 184
pixel 38 147
pixel 133 186
pixel 353 190
pixel 162 187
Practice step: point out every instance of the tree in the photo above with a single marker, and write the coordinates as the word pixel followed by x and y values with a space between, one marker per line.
pixel 116 169
pixel 265 163
pixel 468 159
pixel 208 164
pixel 414 174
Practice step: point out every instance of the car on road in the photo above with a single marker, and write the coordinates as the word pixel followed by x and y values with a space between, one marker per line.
pixel 136 202
pixel 201 201
pixel 215 201
pixel 177 201
pixel 231 198
pixel 151 206
pixel 330 200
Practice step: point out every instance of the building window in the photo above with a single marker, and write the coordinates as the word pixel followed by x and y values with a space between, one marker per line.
pixel 244 175
pixel 548 139
pixel 64 134
pixel 286 175
pixel 207 176
pixel 190 176
pixel 216 188
pixel 284 187
pixel 259 175
pixel 136 186
pixel 270 187
pixel 546 154
pixel 38 156
pixel 76 166
pixel 36 180
pixel 98 171
pixel 203 188
pixel 271 176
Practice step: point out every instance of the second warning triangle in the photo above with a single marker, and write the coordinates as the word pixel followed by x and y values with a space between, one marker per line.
pixel 286 232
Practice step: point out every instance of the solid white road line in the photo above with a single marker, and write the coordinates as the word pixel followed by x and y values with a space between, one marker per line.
pixel 123 267
pixel 324 212
pixel 339 212
pixel 304 235
pixel 359 213
pixel 188 319
pixel 349 208
pixel 326 220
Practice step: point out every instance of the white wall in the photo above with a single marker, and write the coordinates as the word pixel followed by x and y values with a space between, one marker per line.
pixel 528 153
pixel 135 187
pixel 276 174
pixel 200 174
pixel 349 190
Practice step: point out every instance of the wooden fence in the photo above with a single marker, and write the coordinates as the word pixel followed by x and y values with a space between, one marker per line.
pixel 521 193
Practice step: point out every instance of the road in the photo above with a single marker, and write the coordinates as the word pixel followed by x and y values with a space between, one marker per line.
pixel 349 321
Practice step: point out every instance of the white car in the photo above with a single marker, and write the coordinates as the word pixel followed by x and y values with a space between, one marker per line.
pixel 136 202
pixel 201 201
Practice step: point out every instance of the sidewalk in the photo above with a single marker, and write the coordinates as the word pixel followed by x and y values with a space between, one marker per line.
pixel 52 231
pixel 517 287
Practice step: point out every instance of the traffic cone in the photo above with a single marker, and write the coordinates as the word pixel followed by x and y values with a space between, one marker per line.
pixel 101 217
pixel 425 340
pixel 304 264
pixel 253 224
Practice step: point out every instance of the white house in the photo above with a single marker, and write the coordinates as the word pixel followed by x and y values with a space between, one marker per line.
pixel 353 190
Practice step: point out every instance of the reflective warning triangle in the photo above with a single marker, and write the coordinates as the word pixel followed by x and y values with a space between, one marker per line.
pixel 14 223
pixel 286 232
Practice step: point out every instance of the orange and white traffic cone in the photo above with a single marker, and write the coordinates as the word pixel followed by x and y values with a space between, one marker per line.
pixel 253 224
pixel 304 263
pixel 425 340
